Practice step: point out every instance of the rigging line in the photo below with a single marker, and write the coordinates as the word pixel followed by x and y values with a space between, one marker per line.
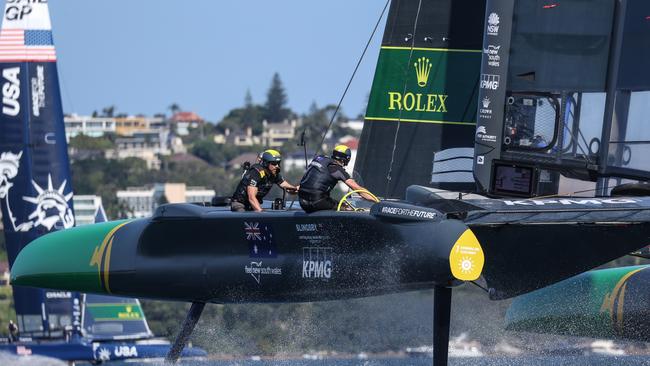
pixel 573 112
pixel 585 156
pixel 338 106
pixel 479 286
pixel 399 117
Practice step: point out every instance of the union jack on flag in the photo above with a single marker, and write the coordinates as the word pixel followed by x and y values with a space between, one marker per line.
pixel 252 230
pixel 26 45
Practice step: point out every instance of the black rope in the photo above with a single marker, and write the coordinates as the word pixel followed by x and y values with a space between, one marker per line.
pixel 479 286
pixel 338 106
pixel 399 117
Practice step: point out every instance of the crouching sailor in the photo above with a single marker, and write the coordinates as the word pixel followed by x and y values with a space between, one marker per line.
pixel 258 181
pixel 322 175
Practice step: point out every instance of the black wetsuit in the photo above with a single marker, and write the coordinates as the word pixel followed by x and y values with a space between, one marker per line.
pixel 256 176
pixel 322 176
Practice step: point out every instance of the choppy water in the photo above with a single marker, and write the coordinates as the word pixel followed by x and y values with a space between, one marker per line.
pixel 6 360
pixel 473 361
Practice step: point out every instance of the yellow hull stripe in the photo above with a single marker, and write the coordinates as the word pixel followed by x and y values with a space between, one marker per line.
pixel 101 252
pixel 616 312
pixel 107 264
pixel 420 121
pixel 429 49
pixel 119 319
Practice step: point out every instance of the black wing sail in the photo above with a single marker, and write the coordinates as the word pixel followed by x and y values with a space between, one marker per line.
pixel 424 98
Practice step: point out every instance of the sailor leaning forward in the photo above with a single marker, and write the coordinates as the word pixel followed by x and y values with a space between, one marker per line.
pixel 322 175
pixel 257 181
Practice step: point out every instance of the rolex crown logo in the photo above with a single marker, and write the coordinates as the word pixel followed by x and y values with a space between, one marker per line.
pixel 422 69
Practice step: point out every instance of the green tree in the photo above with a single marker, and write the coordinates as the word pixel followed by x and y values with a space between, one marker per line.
pixel 83 142
pixel 174 108
pixel 276 101
pixel 250 115
pixel 314 123
pixel 108 111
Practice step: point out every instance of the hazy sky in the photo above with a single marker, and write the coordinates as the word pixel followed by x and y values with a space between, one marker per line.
pixel 143 55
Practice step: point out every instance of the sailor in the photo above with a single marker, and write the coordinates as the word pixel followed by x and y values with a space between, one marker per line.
pixel 13 331
pixel 322 175
pixel 258 181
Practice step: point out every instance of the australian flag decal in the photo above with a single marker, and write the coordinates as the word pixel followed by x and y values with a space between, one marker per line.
pixel 260 240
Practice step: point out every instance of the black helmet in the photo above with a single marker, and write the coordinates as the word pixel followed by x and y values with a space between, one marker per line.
pixel 342 153
pixel 271 156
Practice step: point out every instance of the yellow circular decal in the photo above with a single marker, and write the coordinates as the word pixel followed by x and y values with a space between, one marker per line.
pixel 466 258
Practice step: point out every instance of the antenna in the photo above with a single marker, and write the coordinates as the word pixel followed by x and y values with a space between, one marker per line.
pixel 304 145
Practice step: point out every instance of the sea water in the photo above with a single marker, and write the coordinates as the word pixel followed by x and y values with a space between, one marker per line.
pixel 591 360
pixel 470 361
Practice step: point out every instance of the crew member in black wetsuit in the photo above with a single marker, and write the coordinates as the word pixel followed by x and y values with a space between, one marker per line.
pixel 322 175
pixel 258 181
pixel 13 331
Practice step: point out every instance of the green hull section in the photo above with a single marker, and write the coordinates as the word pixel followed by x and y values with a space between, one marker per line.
pixel 609 303
pixel 77 255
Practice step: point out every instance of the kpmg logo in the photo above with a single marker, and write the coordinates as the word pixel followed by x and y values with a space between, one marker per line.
pixel 489 81
pixel 317 263
pixel 11 91
pixel 493 24
pixel 422 70
pixel 568 202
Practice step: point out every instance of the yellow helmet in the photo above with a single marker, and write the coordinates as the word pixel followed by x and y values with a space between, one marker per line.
pixel 271 156
pixel 342 153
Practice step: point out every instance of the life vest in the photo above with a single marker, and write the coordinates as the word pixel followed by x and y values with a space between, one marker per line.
pixel 318 182
pixel 264 184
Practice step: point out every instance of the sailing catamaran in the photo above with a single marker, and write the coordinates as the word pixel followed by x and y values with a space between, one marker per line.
pixel 36 198
pixel 522 80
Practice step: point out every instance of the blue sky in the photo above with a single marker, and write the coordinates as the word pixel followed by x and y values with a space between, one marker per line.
pixel 143 55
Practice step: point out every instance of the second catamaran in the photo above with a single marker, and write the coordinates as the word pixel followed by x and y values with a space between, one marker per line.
pixel 36 198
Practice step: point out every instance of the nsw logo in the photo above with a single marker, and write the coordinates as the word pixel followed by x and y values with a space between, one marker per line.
pixel 493 24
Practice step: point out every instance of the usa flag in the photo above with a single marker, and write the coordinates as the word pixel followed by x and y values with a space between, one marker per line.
pixel 26 45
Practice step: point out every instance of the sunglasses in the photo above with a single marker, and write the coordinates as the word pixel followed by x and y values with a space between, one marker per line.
pixel 274 163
